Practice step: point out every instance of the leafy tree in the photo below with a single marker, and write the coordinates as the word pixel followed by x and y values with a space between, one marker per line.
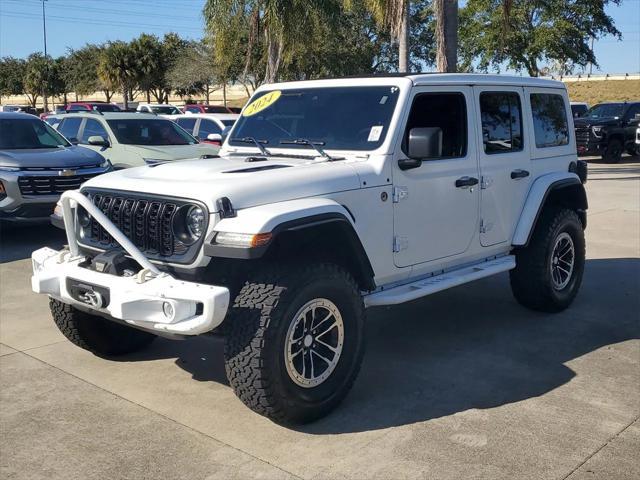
pixel 36 74
pixel 149 74
pixel 81 73
pixel 521 34
pixel 12 72
pixel 282 23
pixel 117 68
pixel 393 15
pixel 194 71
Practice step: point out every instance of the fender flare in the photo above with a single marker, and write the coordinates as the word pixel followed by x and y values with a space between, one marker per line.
pixel 540 191
pixel 280 217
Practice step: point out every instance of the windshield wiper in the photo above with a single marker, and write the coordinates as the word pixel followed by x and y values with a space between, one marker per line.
pixel 257 143
pixel 315 145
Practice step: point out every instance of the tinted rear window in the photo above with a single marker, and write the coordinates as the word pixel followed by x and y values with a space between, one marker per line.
pixel 549 120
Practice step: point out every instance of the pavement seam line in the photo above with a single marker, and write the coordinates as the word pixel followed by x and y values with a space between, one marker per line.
pixel 160 414
pixel 590 456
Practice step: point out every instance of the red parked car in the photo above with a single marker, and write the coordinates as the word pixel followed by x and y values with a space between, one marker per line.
pixel 82 107
pixel 202 108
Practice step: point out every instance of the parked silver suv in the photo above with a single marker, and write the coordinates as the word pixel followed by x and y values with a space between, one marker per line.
pixel 37 165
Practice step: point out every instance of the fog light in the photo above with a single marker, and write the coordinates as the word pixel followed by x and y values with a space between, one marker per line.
pixel 168 310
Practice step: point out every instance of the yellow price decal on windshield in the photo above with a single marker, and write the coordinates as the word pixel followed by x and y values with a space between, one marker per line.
pixel 262 103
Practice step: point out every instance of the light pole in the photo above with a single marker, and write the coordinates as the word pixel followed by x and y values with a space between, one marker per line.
pixel 46 60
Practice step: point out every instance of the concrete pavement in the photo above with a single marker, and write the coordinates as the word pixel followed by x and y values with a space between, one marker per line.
pixel 463 384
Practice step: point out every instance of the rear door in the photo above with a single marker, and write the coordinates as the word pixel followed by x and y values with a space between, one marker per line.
pixel 504 160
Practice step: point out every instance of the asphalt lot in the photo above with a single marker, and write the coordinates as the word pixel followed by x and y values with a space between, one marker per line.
pixel 462 384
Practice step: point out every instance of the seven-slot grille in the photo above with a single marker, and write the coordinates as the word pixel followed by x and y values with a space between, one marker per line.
pixel 50 185
pixel 582 135
pixel 148 223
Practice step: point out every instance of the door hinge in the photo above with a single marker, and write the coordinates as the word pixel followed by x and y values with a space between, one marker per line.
pixel 400 193
pixel 485 227
pixel 400 243
pixel 485 182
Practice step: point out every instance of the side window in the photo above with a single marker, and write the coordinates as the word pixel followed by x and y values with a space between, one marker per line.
pixel 634 110
pixel 187 123
pixel 444 111
pixel 77 108
pixel 207 127
pixel 501 122
pixel 93 128
pixel 192 109
pixel 69 128
pixel 549 120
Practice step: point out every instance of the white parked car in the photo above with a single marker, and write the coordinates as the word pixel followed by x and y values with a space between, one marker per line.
pixel 160 109
pixel 330 197
pixel 129 139
pixel 208 127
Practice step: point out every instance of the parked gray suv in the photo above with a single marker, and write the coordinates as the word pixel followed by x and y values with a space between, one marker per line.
pixel 37 165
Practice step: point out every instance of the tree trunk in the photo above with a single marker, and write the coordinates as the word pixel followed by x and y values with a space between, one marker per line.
pixel 125 97
pixel 224 93
pixel 75 95
pixel 207 94
pixel 446 12
pixel 148 96
pixel 274 56
pixel 403 40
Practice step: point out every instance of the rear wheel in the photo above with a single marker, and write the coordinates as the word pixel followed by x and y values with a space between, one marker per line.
pixel 549 270
pixel 294 341
pixel 613 153
pixel 97 334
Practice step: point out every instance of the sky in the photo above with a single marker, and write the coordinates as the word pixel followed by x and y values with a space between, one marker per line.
pixel 73 23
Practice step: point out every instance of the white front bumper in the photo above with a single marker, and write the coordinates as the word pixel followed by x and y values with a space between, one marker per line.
pixel 194 308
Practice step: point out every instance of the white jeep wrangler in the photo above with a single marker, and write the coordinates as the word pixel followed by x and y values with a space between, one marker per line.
pixel 328 197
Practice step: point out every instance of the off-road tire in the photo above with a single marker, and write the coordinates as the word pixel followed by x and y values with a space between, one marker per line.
pixel 613 152
pixel 100 336
pixel 255 336
pixel 531 281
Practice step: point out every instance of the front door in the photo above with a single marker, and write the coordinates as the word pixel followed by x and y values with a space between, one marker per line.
pixel 436 204
pixel 504 161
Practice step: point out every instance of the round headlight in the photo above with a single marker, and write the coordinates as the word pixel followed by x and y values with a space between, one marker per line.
pixel 84 219
pixel 195 221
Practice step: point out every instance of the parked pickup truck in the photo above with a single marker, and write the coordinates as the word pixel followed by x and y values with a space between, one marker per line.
pixel 330 197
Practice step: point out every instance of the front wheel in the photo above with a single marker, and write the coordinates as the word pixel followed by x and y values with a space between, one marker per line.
pixel 613 153
pixel 549 270
pixel 294 341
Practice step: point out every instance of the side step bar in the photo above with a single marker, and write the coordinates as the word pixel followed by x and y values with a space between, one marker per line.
pixel 427 286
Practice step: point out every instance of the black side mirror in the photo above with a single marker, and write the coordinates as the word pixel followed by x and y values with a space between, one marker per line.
pixel 423 143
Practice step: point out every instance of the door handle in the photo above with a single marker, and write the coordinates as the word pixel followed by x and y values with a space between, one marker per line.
pixel 465 182
pixel 516 174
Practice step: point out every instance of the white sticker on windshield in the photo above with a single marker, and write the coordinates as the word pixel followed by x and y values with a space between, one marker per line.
pixel 374 134
pixel 384 99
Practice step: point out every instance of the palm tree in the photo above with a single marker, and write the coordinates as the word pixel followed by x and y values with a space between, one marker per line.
pixel 393 15
pixel 282 22
pixel 117 68
pixel 446 12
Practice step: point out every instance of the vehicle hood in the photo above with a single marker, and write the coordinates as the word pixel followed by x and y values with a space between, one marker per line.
pixel 173 152
pixel 246 184
pixel 589 122
pixel 50 157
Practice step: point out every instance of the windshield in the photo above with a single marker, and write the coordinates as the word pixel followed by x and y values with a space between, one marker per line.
pixel 605 110
pixel 344 118
pixel 165 110
pixel 150 132
pixel 28 133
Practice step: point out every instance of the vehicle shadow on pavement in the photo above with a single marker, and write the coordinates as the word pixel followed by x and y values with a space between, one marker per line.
pixel 472 347
pixel 18 241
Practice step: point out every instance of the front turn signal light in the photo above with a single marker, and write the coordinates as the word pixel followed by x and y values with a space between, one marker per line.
pixel 245 240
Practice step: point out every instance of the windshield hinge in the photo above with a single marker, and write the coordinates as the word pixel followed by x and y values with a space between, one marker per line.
pixel 400 193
